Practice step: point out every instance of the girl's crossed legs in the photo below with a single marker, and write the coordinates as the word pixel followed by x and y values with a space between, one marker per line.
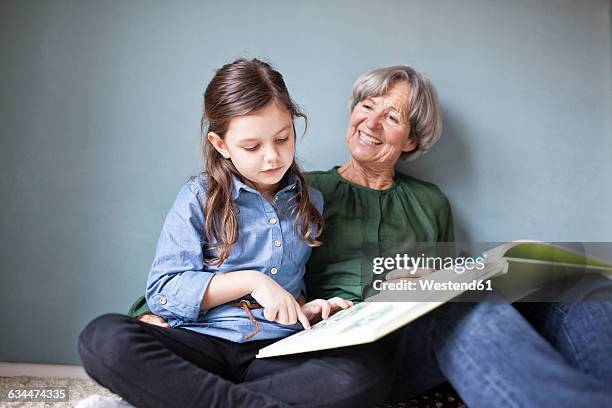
pixel 153 366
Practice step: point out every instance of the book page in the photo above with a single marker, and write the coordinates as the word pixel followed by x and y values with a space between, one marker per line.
pixel 377 316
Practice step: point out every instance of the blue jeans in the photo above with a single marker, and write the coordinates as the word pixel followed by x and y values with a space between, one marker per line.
pixel 531 355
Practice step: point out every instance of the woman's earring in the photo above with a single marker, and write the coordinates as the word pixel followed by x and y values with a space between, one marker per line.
pixel 225 154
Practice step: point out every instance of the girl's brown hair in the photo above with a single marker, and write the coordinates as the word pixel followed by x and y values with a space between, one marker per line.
pixel 238 89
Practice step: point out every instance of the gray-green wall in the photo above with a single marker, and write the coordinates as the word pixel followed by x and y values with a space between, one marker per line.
pixel 100 106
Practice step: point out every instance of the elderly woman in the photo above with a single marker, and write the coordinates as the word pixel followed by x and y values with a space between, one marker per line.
pixel 489 352
pixel 492 355
pixel 394 116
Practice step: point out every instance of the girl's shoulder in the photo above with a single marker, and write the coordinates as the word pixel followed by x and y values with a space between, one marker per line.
pixel 193 190
pixel 198 184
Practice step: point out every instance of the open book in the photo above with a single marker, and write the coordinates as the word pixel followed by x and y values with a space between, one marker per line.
pixel 516 270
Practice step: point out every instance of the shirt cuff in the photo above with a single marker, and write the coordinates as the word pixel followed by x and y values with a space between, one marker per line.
pixel 181 296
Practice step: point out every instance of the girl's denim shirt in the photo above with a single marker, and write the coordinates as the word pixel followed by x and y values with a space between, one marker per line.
pixel 267 243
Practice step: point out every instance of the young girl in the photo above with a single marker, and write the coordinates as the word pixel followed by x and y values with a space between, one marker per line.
pixel 229 265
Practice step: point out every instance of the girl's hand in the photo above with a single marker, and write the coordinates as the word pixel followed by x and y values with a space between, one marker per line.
pixel 279 305
pixel 321 309
pixel 153 319
pixel 408 273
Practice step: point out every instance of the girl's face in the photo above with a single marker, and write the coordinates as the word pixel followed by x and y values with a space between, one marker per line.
pixel 261 145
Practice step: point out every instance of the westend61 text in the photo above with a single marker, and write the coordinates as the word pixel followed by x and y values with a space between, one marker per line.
pixel 431 285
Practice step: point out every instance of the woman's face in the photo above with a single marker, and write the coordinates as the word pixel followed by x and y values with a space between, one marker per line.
pixel 378 132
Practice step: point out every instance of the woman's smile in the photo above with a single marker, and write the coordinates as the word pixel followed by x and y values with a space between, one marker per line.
pixel 368 139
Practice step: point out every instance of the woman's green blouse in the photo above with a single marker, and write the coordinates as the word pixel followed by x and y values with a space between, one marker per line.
pixel 362 223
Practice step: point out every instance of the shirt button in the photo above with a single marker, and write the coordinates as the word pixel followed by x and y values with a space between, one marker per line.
pixel 277 243
pixel 272 220
pixel 273 271
pixel 163 300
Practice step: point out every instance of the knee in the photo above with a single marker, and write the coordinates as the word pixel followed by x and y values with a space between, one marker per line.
pixel 105 338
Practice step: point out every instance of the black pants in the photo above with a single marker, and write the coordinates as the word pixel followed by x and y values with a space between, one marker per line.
pixel 151 366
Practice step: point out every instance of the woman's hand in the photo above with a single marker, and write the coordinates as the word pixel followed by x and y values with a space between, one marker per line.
pixel 321 309
pixel 153 319
pixel 279 305
pixel 408 273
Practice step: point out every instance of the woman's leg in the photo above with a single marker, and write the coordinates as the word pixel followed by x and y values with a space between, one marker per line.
pixel 580 327
pixel 494 357
pixel 151 366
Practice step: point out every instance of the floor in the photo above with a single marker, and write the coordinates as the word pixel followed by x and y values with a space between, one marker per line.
pixel 78 386
pixel 76 389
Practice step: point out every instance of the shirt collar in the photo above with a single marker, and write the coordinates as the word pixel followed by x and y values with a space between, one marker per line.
pixel 293 184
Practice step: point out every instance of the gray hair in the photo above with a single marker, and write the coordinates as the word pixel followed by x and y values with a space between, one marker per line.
pixel 423 113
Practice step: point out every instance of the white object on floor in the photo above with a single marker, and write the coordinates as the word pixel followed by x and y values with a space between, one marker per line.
pixel 98 401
